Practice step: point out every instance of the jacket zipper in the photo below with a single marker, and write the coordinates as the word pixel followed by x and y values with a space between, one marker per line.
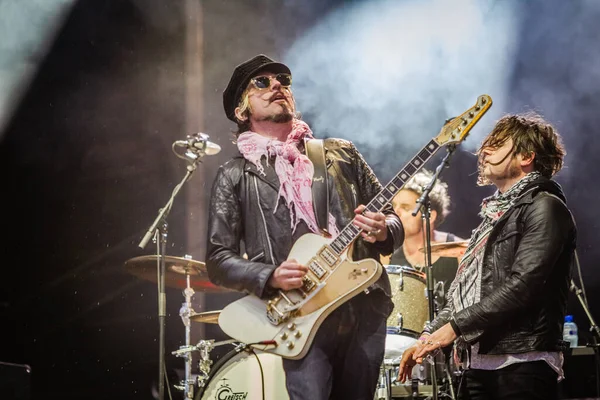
pixel 264 221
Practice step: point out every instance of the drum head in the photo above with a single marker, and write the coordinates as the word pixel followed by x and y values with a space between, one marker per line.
pixel 395 345
pixel 249 375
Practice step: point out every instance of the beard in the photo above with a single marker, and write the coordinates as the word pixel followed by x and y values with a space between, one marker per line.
pixel 281 118
pixel 487 177
pixel 285 115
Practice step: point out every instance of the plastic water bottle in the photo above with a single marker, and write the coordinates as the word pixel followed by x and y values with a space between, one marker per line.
pixel 570 331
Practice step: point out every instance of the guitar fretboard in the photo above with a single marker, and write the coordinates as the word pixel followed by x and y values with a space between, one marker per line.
pixel 351 232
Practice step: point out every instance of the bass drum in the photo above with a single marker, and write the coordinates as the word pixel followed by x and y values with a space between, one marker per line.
pixel 246 374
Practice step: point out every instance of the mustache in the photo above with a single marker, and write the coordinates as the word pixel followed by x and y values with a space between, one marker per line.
pixel 482 159
pixel 483 162
pixel 277 96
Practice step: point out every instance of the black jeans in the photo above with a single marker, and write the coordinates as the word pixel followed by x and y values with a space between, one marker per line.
pixel 528 380
pixel 346 355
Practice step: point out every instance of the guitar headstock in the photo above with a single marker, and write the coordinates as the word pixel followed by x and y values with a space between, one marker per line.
pixel 457 129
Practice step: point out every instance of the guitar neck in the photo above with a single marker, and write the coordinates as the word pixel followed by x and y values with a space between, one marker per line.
pixel 351 232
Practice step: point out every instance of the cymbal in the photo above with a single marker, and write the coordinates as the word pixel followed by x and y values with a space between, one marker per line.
pixel 448 249
pixel 208 317
pixel 176 270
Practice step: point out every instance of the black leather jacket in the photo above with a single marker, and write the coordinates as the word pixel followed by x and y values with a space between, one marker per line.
pixel 525 277
pixel 245 206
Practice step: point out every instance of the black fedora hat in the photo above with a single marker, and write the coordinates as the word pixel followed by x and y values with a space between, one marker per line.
pixel 241 76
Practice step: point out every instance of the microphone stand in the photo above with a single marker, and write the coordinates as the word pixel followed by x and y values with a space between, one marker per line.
pixel 423 205
pixel 593 328
pixel 159 230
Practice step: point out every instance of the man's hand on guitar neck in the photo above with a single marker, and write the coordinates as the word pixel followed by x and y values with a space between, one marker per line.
pixel 372 224
pixel 288 275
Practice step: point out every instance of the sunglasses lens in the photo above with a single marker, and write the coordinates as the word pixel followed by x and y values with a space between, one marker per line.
pixel 262 82
pixel 284 79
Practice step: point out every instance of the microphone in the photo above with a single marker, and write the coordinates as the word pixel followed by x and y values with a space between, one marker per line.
pixel 199 141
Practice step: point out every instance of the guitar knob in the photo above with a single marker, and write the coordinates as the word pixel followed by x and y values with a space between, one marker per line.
pixel 290 345
pixel 298 334
pixel 471 114
pixel 291 326
pixel 284 336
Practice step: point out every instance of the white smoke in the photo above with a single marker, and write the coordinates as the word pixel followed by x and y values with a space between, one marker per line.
pixel 26 28
pixel 387 73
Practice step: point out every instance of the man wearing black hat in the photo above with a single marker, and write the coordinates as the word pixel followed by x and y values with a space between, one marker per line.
pixel 262 198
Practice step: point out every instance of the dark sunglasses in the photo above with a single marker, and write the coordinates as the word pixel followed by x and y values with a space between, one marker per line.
pixel 264 82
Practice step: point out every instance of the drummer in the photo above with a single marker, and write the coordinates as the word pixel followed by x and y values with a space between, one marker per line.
pixel 411 253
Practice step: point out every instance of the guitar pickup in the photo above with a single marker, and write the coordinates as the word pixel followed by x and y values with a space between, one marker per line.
pixel 329 256
pixel 316 268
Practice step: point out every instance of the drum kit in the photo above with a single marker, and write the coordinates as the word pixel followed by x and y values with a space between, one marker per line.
pixel 405 324
pixel 238 371
pixel 246 373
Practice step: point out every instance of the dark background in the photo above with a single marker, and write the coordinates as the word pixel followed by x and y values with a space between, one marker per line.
pixel 85 164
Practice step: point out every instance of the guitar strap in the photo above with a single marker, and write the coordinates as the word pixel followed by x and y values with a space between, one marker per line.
pixel 315 151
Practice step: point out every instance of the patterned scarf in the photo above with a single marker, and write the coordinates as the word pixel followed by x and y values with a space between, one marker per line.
pixel 492 208
pixel 294 170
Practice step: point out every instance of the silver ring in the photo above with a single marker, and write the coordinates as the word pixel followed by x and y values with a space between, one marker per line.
pixel 374 232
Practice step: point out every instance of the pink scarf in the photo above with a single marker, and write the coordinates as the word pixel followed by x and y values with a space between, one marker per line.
pixel 294 169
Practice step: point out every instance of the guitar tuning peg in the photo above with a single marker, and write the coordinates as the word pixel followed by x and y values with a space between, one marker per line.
pixel 448 120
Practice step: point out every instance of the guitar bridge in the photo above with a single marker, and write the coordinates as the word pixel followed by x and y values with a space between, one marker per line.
pixel 307 285
pixel 287 304
pixel 275 316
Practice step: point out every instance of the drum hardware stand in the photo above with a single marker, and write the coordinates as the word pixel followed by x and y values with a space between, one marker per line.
pixel 204 347
pixel 158 231
pixel 384 386
pixel 185 312
pixel 204 365
pixel 450 383
pixel 423 205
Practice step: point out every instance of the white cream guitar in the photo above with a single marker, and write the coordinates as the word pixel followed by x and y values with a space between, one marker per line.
pixel 286 324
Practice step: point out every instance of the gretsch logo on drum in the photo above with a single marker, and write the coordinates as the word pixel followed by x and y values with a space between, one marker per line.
pixel 224 392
